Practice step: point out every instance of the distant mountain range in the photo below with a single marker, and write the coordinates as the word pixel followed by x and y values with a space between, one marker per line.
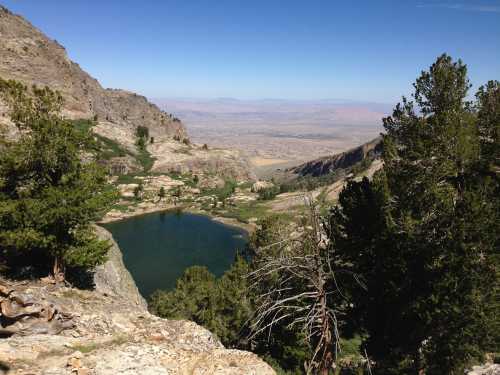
pixel 284 130
pixel 327 112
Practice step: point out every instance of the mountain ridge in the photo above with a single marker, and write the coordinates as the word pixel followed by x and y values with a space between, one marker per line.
pixel 30 57
pixel 318 167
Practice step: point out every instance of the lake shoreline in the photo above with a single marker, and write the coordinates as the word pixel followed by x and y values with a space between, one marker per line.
pixel 248 227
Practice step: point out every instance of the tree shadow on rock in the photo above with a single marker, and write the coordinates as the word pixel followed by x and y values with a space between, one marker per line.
pixel 4 368
pixel 80 278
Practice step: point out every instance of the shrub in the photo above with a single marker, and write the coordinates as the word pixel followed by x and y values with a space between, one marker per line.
pixel 142 132
pixel 269 193
pixel 139 190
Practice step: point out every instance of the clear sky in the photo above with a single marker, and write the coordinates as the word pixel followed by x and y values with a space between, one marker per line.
pixel 360 50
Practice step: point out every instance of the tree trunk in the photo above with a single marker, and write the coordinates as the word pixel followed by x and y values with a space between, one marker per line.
pixel 58 270
pixel 327 364
pixel 418 364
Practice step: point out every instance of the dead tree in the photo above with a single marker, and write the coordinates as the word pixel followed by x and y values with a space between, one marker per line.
pixel 23 314
pixel 302 290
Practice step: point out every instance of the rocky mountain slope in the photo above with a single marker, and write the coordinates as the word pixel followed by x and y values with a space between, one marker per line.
pixel 368 151
pixel 27 55
pixel 55 330
pixel 31 57
pixel 330 192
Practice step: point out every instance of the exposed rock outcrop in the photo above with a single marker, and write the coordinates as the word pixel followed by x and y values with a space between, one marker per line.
pixel 112 278
pixel 489 369
pixel 226 163
pixel 261 185
pixel 109 331
pixel 319 167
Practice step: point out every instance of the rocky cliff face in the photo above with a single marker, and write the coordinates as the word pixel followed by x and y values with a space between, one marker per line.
pixel 225 163
pixel 319 167
pixel 112 278
pixel 31 57
pixel 56 330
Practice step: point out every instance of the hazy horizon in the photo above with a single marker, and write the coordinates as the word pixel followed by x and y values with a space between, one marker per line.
pixel 263 99
pixel 279 131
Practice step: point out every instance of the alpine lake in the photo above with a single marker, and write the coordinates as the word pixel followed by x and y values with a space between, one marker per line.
pixel 158 247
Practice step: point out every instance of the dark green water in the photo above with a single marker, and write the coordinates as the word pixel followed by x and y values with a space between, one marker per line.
pixel 158 247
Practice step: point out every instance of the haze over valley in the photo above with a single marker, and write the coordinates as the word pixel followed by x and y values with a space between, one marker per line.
pixel 273 131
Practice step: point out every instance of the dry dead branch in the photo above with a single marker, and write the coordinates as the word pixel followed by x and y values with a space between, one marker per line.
pixel 20 314
pixel 302 289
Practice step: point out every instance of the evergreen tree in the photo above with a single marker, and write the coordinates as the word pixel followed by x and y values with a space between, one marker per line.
pixel 192 298
pixel 488 107
pixel 161 193
pixel 142 132
pixel 139 190
pixel 423 235
pixel 177 193
pixel 49 195
pixel 221 305
pixel 234 305
pixel 294 282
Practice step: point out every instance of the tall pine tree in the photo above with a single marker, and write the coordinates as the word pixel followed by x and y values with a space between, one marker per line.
pixel 423 236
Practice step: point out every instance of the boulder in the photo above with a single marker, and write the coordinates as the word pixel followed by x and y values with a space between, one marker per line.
pixel 261 185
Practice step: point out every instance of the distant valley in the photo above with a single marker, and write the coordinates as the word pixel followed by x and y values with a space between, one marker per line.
pixel 276 133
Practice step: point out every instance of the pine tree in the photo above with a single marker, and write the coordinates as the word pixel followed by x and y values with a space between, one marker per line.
pixel 488 106
pixel 423 235
pixel 222 305
pixel 49 195
pixel 234 305
pixel 139 190
pixel 193 297
pixel 161 193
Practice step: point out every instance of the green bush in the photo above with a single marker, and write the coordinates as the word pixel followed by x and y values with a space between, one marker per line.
pixel 222 193
pixel 269 193
pixel 142 132
pixel 221 305
pixel 145 159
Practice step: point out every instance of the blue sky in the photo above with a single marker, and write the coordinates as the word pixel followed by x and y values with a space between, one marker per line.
pixel 310 49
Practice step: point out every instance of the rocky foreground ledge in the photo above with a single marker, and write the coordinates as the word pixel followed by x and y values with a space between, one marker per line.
pixel 54 330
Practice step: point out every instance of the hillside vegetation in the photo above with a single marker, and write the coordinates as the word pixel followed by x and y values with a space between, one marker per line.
pixel 49 196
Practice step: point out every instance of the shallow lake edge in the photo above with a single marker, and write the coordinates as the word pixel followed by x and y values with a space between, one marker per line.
pixel 248 227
